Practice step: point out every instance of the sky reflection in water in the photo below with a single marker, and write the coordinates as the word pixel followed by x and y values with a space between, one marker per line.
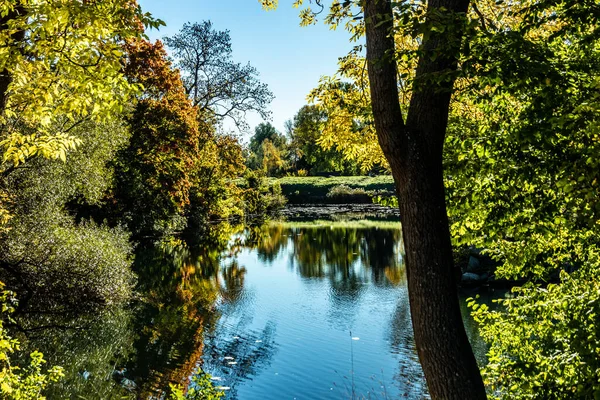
pixel 308 289
pixel 270 311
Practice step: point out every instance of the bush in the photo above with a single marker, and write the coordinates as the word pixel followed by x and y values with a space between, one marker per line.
pixel 545 342
pixel 59 266
pixel 20 383
pixel 344 190
pixel 201 388
pixel 300 190
pixel 260 197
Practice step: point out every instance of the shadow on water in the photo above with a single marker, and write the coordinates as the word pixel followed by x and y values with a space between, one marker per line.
pixel 289 309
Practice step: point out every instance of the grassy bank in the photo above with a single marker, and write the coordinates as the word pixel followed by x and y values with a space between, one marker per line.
pixel 337 189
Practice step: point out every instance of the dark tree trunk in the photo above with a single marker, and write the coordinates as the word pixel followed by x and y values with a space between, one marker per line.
pixel 414 151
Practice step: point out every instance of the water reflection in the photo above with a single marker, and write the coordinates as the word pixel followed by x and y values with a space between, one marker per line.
pixel 269 311
pixel 310 286
pixel 138 350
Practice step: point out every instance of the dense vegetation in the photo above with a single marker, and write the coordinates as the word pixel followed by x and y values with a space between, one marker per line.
pixel 335 189
pixel 108 146
pixel 105 149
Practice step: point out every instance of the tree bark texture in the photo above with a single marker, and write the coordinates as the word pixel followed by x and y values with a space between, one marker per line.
pixel 414 151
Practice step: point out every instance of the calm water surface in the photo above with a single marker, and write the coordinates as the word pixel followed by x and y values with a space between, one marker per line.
pixel 315 310
pixel 323 313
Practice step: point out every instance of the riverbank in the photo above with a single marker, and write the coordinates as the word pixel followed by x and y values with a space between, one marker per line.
pixel 352 211
pixel 334 189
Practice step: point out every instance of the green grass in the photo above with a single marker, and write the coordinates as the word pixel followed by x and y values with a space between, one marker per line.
pixel 314 189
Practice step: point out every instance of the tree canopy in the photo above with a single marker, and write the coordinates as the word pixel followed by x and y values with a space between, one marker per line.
pixel 215 83
pixel 61 64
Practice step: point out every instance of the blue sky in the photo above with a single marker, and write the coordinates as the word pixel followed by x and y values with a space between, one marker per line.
pixel 290 59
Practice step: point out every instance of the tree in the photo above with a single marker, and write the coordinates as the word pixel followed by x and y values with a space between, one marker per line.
pixel 519 155
pixel 413 148
pixel 60 66
pixel 414 152
pixel 175 166
pixel 306 133
pixel 263 132
pixel 214 82
pixel 349 127
pixel 268 149
pixel 156 171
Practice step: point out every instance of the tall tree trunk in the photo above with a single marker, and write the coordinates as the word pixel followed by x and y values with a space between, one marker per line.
pixel 414 151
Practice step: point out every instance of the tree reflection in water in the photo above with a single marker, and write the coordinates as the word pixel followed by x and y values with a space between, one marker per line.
pixel 182 318
pixel 336 251
pixel 137 350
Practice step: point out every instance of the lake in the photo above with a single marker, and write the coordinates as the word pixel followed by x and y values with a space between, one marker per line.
pixel 287 310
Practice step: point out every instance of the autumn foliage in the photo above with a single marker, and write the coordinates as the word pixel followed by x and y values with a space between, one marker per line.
pixel 173 158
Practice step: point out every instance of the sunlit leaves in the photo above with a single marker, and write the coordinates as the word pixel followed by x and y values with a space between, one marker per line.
pixel 63 61
pixel 20 148
pixel 17 383
pixel 349 126
pixel 544 341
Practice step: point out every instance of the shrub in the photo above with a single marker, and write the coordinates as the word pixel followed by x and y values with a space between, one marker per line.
pixel 20 383
pixel 59 266
pixel 201 388
pixel 260 197
pixel 313 189
pixel 545 341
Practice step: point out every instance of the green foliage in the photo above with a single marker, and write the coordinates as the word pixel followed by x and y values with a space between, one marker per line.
pixel 387 201
pixel 348 129
pixel 55 263
pixel 63 64
pixel 520 150
pixel 268 150
pixel 315 189
pixel 20 383
pixel 260 196
pixel 305 151
pixel 544 341
pixel 63 267
pixel 522 184
pixel 201 388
